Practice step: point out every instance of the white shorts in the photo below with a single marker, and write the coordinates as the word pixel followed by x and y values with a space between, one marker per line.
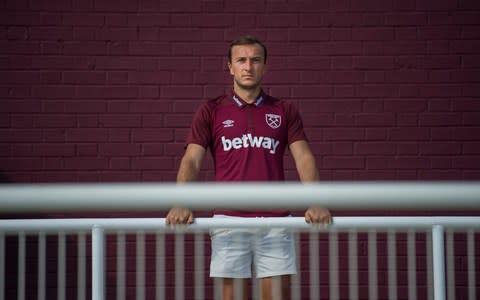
pixel 270 252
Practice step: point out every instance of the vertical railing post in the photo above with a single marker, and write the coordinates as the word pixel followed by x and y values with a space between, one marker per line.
pixel 98 269
pixel 21 266
pixel 438 262
pixel 352 265
pixel 392 264
pixel 472 288
pixel 334 285
pixel 61 266
pixel 314 264
pixel 121 265
pixel 2 266
pixel 160 266
pixel 140 266
pixel 42 266
pixel 179 265
pixel 199 266
pixel 81 267
pixel 372 265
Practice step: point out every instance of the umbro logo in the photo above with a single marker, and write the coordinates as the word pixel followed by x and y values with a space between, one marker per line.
pixel 228 123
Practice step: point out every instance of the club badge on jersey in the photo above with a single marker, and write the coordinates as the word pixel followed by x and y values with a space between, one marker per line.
pixel 273 120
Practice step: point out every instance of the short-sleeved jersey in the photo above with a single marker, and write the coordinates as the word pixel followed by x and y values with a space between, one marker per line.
pixel 247 141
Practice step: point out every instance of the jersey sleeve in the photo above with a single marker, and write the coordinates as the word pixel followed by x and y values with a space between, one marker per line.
pixel 294 124
pixel 200 130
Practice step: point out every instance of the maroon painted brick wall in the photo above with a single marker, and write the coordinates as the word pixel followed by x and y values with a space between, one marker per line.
pixel 104 90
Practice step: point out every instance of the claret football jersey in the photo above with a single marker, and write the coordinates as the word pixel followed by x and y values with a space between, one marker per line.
pixel 247 141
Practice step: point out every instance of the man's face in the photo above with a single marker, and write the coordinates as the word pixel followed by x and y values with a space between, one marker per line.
pixel 247 66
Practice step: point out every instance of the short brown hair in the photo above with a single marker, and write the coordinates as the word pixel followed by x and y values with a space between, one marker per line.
pixel 247 40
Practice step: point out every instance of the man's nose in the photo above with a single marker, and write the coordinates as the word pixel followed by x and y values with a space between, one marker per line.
pixel 247 65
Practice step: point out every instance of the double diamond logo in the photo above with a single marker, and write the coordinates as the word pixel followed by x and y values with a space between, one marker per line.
pixel 228 123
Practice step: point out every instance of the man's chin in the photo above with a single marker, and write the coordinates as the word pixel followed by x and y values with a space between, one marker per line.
pixel 248 86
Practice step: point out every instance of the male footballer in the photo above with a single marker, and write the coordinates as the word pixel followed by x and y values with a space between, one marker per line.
pixel 247 131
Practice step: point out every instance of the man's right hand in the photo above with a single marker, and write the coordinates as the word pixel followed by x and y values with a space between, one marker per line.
pixel 179 215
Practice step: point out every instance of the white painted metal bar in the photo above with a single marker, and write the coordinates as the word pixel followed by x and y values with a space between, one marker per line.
pixel 276 288
pixel 429 249
pixel 336 196
pixel 238 289
pixel 160 266
pixel 412 265
pixel 121 273
pixel 334 284
pixel 61 266
pixel 158 224
pixel 314 260
pixel 98 263
pixel 353 265
pixel 217 288
pixel 81 266
pixel 392 264
pixel 199 266
pixel 255 290
pixel 450 258
pixel 296 279
pixel 438 262
pixel 472 286
pixel 21 266
pixel 144 196
pixel 140 266
pixel 372 266
pixel 202 224
pixel 42 256
pixel 179 266
pixel 2 266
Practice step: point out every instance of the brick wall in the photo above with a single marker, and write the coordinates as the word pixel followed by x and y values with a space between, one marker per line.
pixel 104 91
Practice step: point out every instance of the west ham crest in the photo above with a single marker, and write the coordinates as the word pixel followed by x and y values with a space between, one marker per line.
pixel 273 120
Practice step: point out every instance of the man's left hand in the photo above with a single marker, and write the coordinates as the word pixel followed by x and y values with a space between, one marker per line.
pixel 318 215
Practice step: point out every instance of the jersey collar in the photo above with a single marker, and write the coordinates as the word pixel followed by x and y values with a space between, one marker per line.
pixel 241 103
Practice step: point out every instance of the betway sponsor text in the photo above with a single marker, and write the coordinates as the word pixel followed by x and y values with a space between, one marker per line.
pixel 247 140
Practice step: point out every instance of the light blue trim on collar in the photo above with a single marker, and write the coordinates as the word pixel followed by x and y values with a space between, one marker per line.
pixel 259 101
pixel 240 103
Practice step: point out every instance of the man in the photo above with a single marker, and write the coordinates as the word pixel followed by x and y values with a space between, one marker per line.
pixel 247 132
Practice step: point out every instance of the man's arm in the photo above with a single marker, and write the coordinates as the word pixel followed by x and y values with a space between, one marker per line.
pixel 187 172
pixel 304 161
pixel 307 171
pixel 191 163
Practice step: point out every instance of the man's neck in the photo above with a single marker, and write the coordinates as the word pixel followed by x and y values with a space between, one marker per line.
pixel 249 96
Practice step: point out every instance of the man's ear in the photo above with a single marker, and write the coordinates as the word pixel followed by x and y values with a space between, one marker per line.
pixel 229 65
pixel 265 69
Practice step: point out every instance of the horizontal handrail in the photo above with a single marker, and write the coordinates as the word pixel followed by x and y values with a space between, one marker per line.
pixel 202 224
pixel 148 196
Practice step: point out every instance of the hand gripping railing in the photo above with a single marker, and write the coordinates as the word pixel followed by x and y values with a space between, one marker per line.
pixel 336 196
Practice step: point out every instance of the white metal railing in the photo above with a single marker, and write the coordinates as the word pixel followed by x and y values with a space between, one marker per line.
pixel 99 228
pixel 146 197
pixel 378 196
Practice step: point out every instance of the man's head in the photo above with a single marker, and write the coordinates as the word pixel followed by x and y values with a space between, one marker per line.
pixel 246 62
pixel 247 40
